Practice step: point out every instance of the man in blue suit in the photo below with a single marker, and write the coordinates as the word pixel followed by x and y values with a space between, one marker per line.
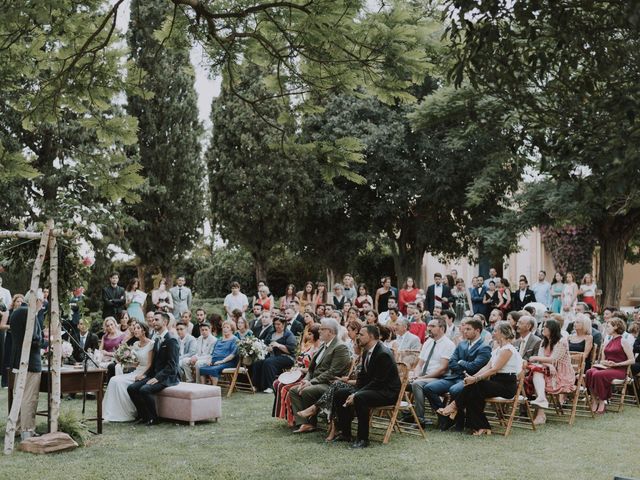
pixel 468 358
pixel 477 295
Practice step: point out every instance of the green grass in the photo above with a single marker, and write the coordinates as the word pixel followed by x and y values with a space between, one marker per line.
pixel 247 443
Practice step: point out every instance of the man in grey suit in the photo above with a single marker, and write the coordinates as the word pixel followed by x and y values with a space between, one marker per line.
pixel 529 343
pixel 332 360
pixel 181 297
pixel 187 342
pixel 405 340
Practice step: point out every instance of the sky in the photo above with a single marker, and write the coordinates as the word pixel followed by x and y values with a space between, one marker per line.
pixel 207 88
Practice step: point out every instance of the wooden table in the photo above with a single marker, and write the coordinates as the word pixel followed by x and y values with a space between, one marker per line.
pixel 72 380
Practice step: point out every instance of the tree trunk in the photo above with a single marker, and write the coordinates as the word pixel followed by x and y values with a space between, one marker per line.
pixel 55 334
pixel 142 270
pixel 261 268
pixel 407 262
pixel 612 251
pixel 20 380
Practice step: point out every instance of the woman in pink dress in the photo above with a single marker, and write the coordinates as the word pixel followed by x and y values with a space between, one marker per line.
pixel 618 355
pixel 551 369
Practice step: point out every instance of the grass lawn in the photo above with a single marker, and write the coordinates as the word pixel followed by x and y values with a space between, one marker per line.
pixel 247 443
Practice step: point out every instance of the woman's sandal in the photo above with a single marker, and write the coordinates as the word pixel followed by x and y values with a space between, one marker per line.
pixel 482 431
pixel 452 415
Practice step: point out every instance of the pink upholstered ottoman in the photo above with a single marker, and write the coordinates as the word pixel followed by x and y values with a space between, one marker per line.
pixel 190 402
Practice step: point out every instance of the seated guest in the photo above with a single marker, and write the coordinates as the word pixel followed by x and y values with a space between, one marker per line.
pixel 378 384
pixel 186 319
pixel 87 341
pixel 282 348
pixel 371 317
pixel 494 317
pixel 580 338
pixel 529 343
pixel 201 317
pixel 295 322
pixel 353 328
pixel 635 368
pixel 453 332
pixel 416 323
pixel 384 317
pixel 309 347
pixel 468 358
pixel 433 363
pixel 310 320
pixel 256 323
pixel 487 338
pixel 331 361
pixel 242 331
pixel 405 340
pixel 187 342
pixel 617 356
pixel 500 380
pixel 387 336
pixel 204 346
pixel 551 369
pixel 265 329
pixel 224 354
pixel 111 339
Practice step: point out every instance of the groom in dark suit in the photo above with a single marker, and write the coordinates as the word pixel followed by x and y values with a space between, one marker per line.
pixel 378 384
pixel 163 371
pixel 467 359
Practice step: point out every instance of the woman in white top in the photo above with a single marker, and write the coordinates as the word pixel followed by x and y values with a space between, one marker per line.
pixel 117 405
pixel 588 290
pixel 499 378
pixel 569 296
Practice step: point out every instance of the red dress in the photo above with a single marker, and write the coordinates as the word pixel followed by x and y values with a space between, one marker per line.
pixel 406 296
pixel 599 380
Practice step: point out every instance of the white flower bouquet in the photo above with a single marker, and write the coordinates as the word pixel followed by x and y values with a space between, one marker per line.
pixel 252 348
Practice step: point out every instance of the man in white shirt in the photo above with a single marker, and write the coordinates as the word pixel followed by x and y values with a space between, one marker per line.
pixel 493 277
pixel 236 300
pixel 433 363
pixel 542 289
pixel 384 318
pixel 202 355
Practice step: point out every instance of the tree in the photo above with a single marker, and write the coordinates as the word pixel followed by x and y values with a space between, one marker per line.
pixel 571 73
pixel 430 176
pixel 257 191
pixel 171 212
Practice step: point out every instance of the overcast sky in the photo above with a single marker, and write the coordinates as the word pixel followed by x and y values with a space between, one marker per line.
pixel 206 87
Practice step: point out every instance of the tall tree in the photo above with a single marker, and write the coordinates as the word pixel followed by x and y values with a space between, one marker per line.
pixel 257 191
pixel 571 73
pixel 171 212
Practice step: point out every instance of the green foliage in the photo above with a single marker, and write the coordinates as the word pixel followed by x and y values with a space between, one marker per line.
pixel 571 74
pixel 225 266
pixel 257 189
pixel 168 219
pixel 70 423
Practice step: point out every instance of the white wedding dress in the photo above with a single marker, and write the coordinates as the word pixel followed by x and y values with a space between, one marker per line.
pixel 117 405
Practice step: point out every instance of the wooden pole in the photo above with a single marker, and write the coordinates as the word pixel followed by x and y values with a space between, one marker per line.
pixel 34 235
pixel 20 379
pixel 55 333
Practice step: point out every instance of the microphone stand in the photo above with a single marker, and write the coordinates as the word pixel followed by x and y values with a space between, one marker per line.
pixel 85 360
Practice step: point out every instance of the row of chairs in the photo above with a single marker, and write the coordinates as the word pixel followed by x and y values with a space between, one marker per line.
pixel 504 414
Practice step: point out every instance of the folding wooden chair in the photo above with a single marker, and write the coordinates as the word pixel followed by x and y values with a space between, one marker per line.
pixel 567 410
pixel 619 392
pixel 237 378
pixel 507 410
pixel 387 416
pixel 409 357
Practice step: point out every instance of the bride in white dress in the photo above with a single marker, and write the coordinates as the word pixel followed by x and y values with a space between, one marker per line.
pixel 117 405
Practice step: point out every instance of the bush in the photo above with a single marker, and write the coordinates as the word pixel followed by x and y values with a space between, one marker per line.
pixel 210 305
pixel 69 422
pixel 226 266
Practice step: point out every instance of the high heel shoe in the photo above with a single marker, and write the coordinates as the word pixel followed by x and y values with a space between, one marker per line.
pixel 452 415
pixel 482 431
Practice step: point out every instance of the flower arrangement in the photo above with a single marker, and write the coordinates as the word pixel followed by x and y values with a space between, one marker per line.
pixel 252 348
pixel 125 355
pixel 67 350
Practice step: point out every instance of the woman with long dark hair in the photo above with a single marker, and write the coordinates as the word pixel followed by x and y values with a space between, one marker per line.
pixel 551 370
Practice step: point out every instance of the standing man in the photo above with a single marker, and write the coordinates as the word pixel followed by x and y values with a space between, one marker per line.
pixel 18 320
pixel 542 289
pixel 523 296
pixel 112 297
pixel 349 289
pixel 477 296
pixel 236 300
pixel 162 373
pixel 493 277
pixel 182 297
pixel 378 384
pixel 438 294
